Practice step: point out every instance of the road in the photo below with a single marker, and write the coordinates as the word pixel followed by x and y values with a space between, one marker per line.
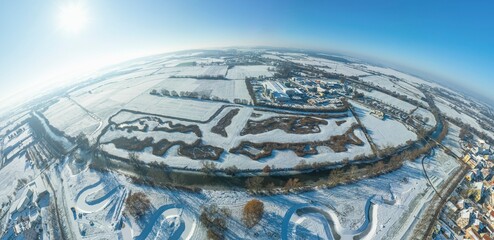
pixel 433 152
pixel 91 114
pixel 57 208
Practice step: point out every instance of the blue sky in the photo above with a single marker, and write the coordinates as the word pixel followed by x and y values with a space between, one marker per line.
pixel 451 39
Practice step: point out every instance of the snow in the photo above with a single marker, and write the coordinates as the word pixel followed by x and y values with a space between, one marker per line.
pixel 109 96
pixel 273 57
pixel 344 69
pixel 68 117
pixel 62 140
pixel 446 108
pixel 89 206
pixel 387 132
pixel 183 230
pixel 201 71
pixel 366 231
pixel 241 72
pixel 331 66
pixel 426 114
pixel 224 89
pixel 380 208
pixel 390 100
pixel 15 140
pixel 452 139
pixel 282 158
pixel 18 168
pixel 400 87
pixel 175 107
pixel 407 77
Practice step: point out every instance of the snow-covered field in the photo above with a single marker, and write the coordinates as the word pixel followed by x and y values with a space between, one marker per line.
pixel 201 71
pixel 175 107
pixel 446 108
pixel 386 206
pixel 285 158
pixel 241 72
pixel 407 77
pixel 382 207
pixel 70 118
pixel 18 168
pixel 344 69
pixel 452 139
pixel 331 66
pixel 426 114
pixel 400 87
pixel 387 132
pixel 99 200
pixel 224 89
pixel 109 96
pixel 390 100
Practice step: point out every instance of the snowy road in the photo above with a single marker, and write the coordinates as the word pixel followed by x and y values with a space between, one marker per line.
pixel 184 230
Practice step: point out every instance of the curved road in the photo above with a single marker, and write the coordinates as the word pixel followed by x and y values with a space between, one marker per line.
pixel 184 231
pixel 335 230
pixel 97 204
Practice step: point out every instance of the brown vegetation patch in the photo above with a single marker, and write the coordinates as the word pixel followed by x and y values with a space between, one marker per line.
pixel 196 150
pixel 137 204
pixel 337 143
pixel 181 128
pixel 224 122
pixel 340 122
pixel 132 144
pixel 297 125
pixel 253 211
pixel 214 219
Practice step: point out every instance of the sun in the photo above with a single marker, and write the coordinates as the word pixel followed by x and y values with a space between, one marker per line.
pixel 72 17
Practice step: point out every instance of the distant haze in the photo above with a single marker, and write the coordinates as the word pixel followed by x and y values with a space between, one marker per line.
pixel 453 40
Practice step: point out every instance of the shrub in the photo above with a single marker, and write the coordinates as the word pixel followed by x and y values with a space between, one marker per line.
pixel 292 183
pixel 231 170
pixel 214 219
pixel 208 167
pixel 82 141
pixel 254 183
pixel 253 211
pixel 138 204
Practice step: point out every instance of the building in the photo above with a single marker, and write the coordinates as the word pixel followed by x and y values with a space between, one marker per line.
pixel 478 190
pixel 461 204
pixel 490 198
pixel 450 207
pixel 463 219
pixel 377 114
pixel 279 92
pixel 469 161
pixel 24 200
pixel 275 91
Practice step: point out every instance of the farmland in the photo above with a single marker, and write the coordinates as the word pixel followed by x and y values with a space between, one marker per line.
pixel 158 147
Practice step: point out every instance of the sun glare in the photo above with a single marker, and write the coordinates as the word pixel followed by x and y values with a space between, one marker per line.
pixel 72 17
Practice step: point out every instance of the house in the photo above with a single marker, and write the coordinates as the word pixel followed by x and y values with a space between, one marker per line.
pixel 478 188
pixel 485 173
pixel 461 204
pixel 469 161
pixel 450 207
pixel 472 233
pixel 470 176
pixel 24 200
pixel 463 219
pixel 377 114
pixel 490 198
